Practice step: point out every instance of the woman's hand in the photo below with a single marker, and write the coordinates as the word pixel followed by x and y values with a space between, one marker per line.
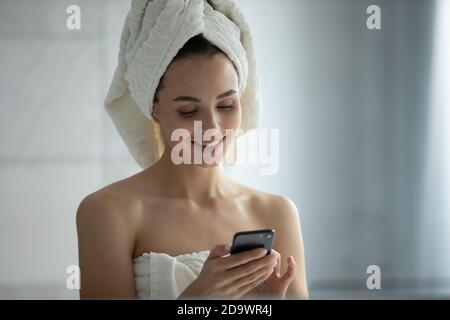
pixel 275 286
pixel 231 276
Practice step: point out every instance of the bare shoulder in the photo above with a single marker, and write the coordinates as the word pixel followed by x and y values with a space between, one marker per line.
pixel 274 208
pixel 111 203
pixel 106 240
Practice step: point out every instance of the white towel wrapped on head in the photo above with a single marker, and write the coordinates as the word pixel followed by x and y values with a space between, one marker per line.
pixel 154 32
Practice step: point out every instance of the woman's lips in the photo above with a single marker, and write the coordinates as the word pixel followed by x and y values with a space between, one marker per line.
pixel 209 145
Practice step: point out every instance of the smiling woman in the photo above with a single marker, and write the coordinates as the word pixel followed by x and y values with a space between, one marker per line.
pixel 163 232
pixel 188 97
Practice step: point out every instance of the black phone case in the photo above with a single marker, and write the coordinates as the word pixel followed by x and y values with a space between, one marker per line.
pixel 247 240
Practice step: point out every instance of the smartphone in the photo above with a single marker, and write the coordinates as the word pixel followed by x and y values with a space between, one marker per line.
pixel 247 240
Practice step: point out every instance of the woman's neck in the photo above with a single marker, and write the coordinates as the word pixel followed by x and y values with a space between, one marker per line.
pixel 192 182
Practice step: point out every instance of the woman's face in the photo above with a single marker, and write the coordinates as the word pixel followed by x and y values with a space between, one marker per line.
pixel 201 89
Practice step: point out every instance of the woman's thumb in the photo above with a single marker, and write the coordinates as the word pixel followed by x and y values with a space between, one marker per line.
pixel 219 251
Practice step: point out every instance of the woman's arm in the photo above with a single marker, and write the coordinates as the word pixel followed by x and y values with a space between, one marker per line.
pixel 105 248
pixel 288 241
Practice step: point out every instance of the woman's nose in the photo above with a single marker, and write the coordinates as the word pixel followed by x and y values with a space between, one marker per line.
pixel 210 121
pixel 211 127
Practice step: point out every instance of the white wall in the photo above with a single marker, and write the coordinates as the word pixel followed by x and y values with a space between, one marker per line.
pixel 57 143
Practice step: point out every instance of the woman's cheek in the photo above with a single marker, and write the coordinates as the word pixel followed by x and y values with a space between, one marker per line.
pixel 235 120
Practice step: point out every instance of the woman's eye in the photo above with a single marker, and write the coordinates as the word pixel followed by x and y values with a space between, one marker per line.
pixel 191 113
pixel 188 114
pixel 226 107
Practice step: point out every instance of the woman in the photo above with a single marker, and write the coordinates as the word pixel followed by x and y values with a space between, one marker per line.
pixel 164 233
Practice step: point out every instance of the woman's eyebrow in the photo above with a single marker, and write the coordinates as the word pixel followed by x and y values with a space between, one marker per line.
pixel 193 99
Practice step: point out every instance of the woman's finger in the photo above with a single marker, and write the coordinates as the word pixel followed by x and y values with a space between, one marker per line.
pixel 278 266
pixel 288 276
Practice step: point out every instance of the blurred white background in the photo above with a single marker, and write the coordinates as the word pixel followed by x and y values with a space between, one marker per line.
pixel 364 129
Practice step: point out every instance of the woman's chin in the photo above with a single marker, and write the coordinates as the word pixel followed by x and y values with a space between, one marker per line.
pixel 204 165
pixel 208 164
pixel 210 157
